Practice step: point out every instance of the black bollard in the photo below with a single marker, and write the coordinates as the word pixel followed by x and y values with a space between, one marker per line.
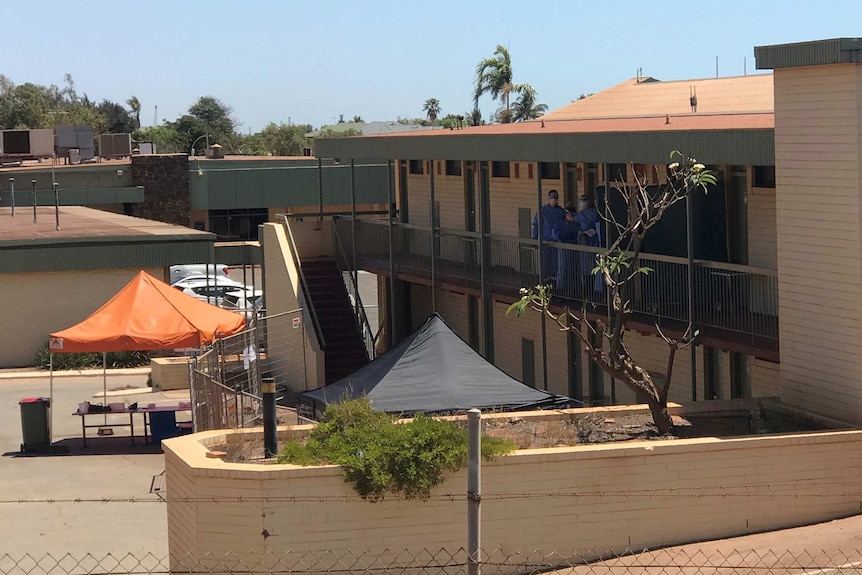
pixel 33 185
pixel 270 443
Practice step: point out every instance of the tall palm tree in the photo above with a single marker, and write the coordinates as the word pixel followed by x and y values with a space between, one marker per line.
pixel 494 77
pixel 135 105
pixel 432 109
pixel 525 107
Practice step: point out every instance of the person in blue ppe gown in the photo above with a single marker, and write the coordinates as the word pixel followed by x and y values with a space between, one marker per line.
pixel 552 214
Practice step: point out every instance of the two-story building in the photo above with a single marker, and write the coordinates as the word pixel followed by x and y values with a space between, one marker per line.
pixel 770 275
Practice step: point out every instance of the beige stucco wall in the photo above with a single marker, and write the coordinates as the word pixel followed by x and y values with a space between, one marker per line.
pixel 40 303
pixel 292 356
pixel 596 497
pixel 819 184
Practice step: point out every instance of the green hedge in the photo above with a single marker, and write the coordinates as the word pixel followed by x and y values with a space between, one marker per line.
pixel 381 456
pixel 114 359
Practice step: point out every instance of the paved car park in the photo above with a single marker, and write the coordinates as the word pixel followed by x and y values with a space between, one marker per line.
pixel 93 500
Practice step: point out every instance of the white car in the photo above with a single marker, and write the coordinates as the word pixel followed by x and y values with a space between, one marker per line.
pixel 209 289
pixel 247 301
pixel 189 270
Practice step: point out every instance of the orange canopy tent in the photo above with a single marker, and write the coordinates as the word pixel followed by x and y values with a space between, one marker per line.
pixel 147 314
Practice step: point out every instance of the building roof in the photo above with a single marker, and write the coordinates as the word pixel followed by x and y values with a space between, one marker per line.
pixel 93 239
pixel 813 53
pixel 634 121
pixel 651 97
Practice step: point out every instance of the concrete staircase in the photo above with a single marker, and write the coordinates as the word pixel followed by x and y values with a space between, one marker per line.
pixel 345 350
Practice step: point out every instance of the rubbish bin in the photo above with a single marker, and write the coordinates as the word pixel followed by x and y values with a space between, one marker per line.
pixel 35 417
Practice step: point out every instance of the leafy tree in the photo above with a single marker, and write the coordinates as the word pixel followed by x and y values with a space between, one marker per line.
pixel 357 120
pixel 208 116
pixel 166 139
pixel 327 132
pixel 135 105
pixel 117 119
pixel 451 121
pixel 474 117
pixel 619 267
pixel 526 107
pixel 280 140
pixel 432 109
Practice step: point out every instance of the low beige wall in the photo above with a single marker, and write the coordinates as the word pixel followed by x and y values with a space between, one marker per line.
pixel 632 495
pixel 37 304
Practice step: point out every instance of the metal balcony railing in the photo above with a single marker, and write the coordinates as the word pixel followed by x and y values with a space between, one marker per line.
pixel 736 298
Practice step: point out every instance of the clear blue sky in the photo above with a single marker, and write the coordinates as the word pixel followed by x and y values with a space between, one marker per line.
pixel 308 61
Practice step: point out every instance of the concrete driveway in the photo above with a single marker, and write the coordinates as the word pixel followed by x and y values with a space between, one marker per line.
pixel 51 521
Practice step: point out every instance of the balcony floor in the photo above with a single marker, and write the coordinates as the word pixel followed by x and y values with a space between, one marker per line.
pixel 722 325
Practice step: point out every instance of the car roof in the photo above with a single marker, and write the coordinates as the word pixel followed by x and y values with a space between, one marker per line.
pixel 207 280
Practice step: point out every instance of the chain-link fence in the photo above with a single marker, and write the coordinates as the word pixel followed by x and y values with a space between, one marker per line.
pixel 671 561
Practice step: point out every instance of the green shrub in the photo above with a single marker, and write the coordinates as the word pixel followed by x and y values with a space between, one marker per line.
pixel 68 361
pixel 379 455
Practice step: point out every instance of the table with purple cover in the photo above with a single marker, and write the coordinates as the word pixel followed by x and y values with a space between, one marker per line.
pixel 144 411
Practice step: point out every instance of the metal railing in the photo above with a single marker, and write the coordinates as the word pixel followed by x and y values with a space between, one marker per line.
pixel 307 305
pixel 225 396
pixel 735 298
pixel 368 332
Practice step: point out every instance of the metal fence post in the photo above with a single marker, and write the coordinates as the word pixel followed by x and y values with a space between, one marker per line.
pixel 474 498
pixel 270 441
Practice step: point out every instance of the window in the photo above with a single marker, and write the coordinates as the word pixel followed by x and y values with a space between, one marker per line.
pixel 237 225
pixel 617 172
pixel 416 167
pixel 500 169
pixel 764 176
pixel 453 167
pixel 549 170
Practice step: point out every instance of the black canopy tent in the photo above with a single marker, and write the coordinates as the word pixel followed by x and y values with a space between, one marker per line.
pixel 433 371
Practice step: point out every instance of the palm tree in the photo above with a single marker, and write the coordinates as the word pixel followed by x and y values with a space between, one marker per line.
pixel 357 120
pixel 525 107
pixel 135 105
pixel 432 108
pixel 494 77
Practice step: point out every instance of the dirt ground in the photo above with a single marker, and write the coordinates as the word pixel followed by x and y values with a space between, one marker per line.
pixel 581 429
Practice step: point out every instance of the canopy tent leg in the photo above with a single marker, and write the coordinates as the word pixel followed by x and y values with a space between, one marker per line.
pixel 50 397
pixel 105 384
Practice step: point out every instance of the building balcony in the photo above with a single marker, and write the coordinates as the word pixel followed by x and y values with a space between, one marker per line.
pixel 734 307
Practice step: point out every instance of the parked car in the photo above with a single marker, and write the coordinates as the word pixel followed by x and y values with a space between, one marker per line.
pixel 188 270
pixel 247 301
pixel 210 289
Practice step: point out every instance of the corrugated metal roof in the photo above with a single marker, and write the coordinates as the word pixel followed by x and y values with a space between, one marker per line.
pixel 815 53
pixel 715 146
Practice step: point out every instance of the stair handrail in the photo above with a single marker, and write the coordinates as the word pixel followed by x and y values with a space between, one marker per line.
pixel 357 301
pixel 303 284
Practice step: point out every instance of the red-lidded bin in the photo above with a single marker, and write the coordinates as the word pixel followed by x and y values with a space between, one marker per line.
pixel 35 426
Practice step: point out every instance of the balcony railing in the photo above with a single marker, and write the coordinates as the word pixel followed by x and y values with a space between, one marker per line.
pixel 735 298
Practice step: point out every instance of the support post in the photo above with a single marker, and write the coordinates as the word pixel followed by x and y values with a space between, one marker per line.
pixel 689 233
pixel 12 193
pixel 542 271
pixel 57 205
pixel 391 199
pixel 355 270
pixel 474 488
pixel 433 243
pixel 33 186
pixel 320 192
pixel 270 439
